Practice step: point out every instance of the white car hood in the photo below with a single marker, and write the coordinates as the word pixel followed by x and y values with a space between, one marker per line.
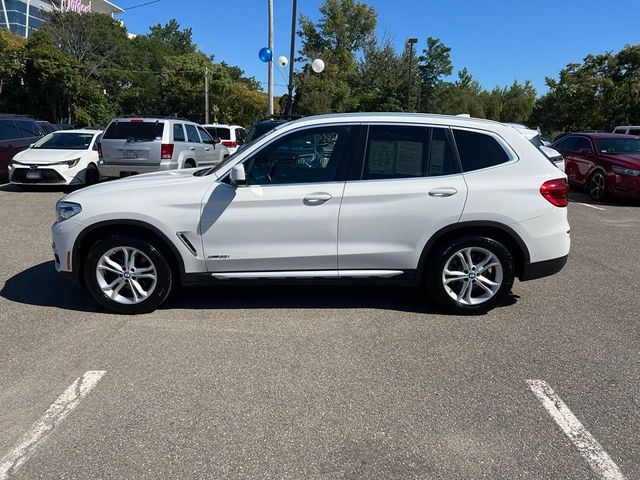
pixel 158 181
pixel 43 156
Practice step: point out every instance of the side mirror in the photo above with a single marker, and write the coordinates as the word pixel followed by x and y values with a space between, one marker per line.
pixel 238 175
pixel 585 151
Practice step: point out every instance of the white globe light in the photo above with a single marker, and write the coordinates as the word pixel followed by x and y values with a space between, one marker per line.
pixel 317 65
pixel 282 61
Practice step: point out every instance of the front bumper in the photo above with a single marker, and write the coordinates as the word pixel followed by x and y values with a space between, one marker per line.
pixel 624 185
pixel 47 175
pixel 64 235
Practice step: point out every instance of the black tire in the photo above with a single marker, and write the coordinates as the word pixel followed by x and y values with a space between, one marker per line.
pixel 597 186
pixel 164 281
pixel 91 175
pixel 189 164
pixel 443 253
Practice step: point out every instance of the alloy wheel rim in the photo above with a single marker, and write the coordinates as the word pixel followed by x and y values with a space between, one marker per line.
pixel 472 276
pixel 126 275
pixel 596 189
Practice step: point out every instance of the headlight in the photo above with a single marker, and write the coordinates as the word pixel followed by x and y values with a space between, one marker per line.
pixel 625 171
pixel 68 163
pixel 66 210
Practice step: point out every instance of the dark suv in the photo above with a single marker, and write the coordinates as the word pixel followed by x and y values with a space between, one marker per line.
pixel 16 134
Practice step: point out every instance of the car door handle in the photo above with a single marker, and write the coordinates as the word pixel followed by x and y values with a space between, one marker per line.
pixel 317 198
pixel 207 149
pixel 443 192
pixel 192 148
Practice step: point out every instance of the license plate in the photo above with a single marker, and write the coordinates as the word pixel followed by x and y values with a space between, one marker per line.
pixel 130 154
pixel 34 175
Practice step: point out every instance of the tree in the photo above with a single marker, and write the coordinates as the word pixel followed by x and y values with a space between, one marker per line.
pixel 433 64
pixel 345 28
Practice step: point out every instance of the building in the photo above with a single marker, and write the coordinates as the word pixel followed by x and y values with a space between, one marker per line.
pixel 24 16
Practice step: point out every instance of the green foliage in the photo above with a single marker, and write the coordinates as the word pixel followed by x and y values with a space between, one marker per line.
pixel 84 69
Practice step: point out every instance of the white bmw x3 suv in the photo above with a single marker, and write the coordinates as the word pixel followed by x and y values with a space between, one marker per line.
pixel 458 206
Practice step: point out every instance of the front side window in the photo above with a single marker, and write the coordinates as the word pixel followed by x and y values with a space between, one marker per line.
pixel 395 151
pixel 478 150
pixel 241 135
pixel 634 131
pixel 192 133
pixel 309 156
pixel 204 135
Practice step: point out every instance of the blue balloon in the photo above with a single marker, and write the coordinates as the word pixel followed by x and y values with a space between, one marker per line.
pixel 265 54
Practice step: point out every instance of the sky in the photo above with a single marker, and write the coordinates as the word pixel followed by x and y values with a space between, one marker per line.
pixel 499 41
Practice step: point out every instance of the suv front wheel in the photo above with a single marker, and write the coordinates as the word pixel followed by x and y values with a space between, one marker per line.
pixel 127 274
pixel 470 275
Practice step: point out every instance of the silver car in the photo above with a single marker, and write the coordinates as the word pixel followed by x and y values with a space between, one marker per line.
pixel 148 144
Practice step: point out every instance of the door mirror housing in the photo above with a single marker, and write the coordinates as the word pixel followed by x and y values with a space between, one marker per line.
pixel 238 176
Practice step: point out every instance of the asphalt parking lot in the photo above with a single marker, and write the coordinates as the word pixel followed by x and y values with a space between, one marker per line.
pixel 321 382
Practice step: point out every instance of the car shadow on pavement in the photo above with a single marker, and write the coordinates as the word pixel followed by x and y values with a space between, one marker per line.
pixel 41 285
pixel 580 196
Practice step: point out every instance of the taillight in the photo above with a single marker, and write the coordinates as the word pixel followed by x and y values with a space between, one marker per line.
pixel 230 143
pixel 99 148
pixel 556 192
pixel 166 151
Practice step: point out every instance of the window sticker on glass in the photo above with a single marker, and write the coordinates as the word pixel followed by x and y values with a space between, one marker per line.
pixel 436 165
pixel 408 158
pixel 381 157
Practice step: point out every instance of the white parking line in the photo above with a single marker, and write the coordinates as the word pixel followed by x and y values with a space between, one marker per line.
pixel 40 430
pixel 590 206
pixel 587 445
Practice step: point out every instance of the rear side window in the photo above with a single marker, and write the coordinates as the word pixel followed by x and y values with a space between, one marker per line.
pixel 566 144
pixel 28 129
pixel 620 130
pixel 192 133
pixel 406 152
pixel 582 143
pixel 178 133
pixel 8 130
pixel 136 131
pixel 478 150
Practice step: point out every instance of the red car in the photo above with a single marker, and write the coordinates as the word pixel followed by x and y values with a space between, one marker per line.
pixel 603 163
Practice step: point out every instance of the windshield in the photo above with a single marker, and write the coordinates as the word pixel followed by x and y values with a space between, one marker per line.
pixel 614 146
pixel 65 141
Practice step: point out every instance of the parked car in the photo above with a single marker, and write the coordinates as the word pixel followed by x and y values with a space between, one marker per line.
pixel 47 127
pixel 459 207
pixel 66 157
pixel 603 163
pixel 231 136
pixel 16 134
pixel 64 126
pixel 266 125
pixel 140 145
pixel 628 130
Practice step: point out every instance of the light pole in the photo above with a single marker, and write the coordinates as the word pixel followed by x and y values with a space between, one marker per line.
pixel 411 42
pixel 292 57
pixel 271 60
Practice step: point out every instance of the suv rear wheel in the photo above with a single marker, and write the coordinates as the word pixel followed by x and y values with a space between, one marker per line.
pixel 470 275
pixel 128 274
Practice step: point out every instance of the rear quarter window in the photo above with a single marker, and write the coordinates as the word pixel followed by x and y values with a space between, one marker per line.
pixel 138 131
pixel 478 150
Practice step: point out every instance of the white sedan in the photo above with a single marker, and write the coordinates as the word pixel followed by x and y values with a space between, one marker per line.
pixel 67 157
